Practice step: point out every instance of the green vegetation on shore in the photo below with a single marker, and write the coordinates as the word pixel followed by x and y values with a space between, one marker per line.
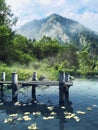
pixel 46 56
pixel 25 73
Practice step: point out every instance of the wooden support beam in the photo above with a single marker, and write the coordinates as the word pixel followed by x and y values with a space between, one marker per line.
pixel 2 79
pixel 61 86
pixel 67 79
pixel 34 78
pixel 3 76
pixel 14 86
pixel 2 85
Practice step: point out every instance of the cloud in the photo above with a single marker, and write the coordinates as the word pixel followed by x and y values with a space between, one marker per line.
pixel 18 7
pixel 85 1
pixel 26 19
pixel 45 2
pixel 18 4
pixel 60 3
pixel 23 9
pixel 51 2
pixel 89 19
pixel 84 11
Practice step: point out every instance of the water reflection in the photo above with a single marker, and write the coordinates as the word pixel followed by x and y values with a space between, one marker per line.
pixel 1 94
pixel 67 104
pixel 1 91
pixel 36 106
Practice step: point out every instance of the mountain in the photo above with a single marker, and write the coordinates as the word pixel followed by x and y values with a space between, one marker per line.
pixel 58 27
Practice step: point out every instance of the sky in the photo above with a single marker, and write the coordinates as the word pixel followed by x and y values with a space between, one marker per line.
pixel 83 11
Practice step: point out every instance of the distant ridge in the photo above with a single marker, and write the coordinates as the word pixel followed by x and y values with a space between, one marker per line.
pixel 58 27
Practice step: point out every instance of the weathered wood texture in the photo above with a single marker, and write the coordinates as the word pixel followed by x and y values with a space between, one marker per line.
pixel 64 83
pixel 50 83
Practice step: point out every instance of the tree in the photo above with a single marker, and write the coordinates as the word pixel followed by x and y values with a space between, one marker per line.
pixel 6 17
pixel 21 43
pixel 85 61
pixel 22 49
pixel 6 34
pixel 51 49
pixel 46 47
pixel 68 56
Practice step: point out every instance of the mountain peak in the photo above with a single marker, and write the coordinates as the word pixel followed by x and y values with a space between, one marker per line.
pixel 56 27
pixel 54 15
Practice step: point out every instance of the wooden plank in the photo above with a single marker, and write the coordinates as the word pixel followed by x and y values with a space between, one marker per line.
pixel 68 83
pixel 5 82
pixel 50 83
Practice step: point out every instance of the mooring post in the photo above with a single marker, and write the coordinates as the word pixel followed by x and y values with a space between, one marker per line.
pixel 14 86
pixel 2 79
pixel 67 79
pixel 61 87
pixel 34 78
pixel 3 76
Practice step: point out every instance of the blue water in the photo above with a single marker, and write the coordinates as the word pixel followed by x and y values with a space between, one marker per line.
pixel 82 95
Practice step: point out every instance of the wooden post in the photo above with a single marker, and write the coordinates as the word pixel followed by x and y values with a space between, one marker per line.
pixel 2 79
pixel 14 86
pixel 34 78
pixel 3 76
pixel 67 79
pixel 61 87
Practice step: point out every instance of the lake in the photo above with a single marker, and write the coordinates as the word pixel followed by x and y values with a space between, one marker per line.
pixel 79 111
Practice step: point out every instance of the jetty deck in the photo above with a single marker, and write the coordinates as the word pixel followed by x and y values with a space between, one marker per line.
pixel 64 83
pixel 47 83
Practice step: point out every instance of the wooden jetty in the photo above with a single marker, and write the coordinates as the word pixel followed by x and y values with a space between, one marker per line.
pixel 64 83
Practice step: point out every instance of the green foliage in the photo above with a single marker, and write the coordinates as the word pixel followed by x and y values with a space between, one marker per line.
pixel 46 47
pixel 21 43
pixel 47 55
pixel 6 33
pixel 21 50
pixel 23 73
pixel 56 57
pixel 6 36
pixel 6 17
